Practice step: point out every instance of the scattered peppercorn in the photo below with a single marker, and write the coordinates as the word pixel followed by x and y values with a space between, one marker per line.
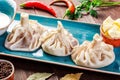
pixel 5 69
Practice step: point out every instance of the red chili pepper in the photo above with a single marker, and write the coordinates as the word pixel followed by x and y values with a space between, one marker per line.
pixel 69 4
pixel 38 5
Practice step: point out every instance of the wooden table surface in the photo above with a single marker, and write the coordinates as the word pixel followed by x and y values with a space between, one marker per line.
pixel 23 68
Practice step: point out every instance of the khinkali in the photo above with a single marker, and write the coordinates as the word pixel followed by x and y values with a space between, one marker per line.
pixel 59 42
pixel 25 36
pixel 93 54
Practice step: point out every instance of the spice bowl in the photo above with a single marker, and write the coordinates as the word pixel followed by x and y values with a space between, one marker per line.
pixel 6 70
pixel 7 14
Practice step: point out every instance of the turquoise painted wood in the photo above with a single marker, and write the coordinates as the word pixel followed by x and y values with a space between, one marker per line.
pixel 82 31
pixel 8 7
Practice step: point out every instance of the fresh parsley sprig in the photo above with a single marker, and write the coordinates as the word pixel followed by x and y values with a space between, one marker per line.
pixel 88 7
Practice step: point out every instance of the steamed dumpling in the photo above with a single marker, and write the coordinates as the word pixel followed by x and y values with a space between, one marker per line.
pixel 25 36
pixel 59 42
pixel 93 54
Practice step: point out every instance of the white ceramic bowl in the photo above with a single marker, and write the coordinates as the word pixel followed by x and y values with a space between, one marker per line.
pixel 7 7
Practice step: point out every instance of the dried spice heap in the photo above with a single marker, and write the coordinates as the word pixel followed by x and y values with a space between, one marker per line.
pixel 5 69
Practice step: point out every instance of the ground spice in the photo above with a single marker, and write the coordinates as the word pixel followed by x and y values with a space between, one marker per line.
pixel 5 69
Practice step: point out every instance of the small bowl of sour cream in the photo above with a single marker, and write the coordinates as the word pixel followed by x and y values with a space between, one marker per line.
pixel 7 14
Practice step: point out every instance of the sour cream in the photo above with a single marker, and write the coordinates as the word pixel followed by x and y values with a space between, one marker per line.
pixel 4 20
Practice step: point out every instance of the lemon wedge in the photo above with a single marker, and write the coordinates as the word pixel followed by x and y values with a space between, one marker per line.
pixel 117 22
pixel 107 24
pixel 114 32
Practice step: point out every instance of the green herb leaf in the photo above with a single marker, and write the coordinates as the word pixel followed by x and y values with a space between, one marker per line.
pixel 88 7
pixel 77 14
pixel 93 13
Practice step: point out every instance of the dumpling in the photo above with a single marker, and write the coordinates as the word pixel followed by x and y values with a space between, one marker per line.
pixel 59 42
pixel 93 54
pixel 25 36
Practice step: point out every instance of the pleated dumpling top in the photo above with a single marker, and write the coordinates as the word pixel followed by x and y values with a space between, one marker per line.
pixel 59 42
pixel 95 54
pixel 25 36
